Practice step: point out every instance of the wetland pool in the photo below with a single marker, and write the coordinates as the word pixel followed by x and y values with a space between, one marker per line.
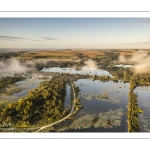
pixel 25 85
pixel 84 71
pixel 105 108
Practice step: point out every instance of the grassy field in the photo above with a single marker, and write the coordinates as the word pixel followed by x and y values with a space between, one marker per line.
pixel 46 55
pixel 71 54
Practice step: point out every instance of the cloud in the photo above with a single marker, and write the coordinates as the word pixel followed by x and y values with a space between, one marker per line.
pixel 37 40
pixel 48 38
pixel 142 42
pixel 10 38
pixel 16 38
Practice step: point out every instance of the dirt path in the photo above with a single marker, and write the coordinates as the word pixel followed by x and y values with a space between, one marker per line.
pixel 64 117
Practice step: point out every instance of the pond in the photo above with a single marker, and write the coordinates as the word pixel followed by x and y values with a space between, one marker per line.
pixel 26 85
pixel 144 103
pixel 105 108
pixel 85 70
pixel 124 66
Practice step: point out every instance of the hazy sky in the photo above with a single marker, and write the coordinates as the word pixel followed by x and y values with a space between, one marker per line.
pixel 75 33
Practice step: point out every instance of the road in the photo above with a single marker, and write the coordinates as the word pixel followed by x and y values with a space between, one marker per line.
pixel 64 117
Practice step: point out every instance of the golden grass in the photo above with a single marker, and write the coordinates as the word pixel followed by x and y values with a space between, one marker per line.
pixel 69 54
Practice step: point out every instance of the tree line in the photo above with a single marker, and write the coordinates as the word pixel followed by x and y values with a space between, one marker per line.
pixel 40 106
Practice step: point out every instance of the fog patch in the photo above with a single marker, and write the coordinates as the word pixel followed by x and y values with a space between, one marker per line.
pixel 122 59
pixel 140 59
pixel 13 66
pixel 89 65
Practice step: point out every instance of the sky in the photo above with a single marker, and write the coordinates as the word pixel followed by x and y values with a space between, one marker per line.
pixel 74 33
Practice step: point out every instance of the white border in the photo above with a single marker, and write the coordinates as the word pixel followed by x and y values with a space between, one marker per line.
pixel 74 5
pixel 75 135
pixel 74 14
